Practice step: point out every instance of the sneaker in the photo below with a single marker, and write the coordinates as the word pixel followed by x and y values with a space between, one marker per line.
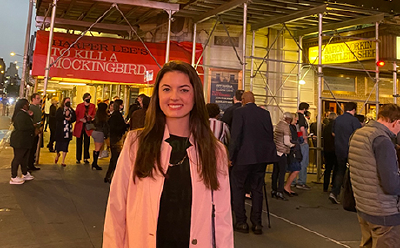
pixel 17 180
pixel 28 177
pixel 303 186
pixel 333 198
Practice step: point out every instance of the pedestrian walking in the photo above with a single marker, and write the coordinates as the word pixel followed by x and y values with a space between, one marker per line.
pixel 65 116
pixel 118 127
pixel 100 132
pixel 252 147
pixel 219 128
pixel 21 140
pixel 52 125
pixel 295 157
pixel 329 152
pixel 282 137
pixel 171 185
pixel 343 127
pixel 375 179
pixel 137 118
pixel 85 113
pixel 36 109
pixel 237 103
pixel 47 106
pixel 302 129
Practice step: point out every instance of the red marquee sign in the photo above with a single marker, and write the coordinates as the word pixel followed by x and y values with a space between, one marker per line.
pixel 105 59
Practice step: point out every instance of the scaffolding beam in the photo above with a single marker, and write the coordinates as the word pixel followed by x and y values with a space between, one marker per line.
pixel 145 3
pixel 334 26
pixel 291 17
pixel 219 10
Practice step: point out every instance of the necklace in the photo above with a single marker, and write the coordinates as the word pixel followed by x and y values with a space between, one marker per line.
pixel 180 162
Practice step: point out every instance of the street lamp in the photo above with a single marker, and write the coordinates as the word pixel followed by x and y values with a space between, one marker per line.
pixel 16 54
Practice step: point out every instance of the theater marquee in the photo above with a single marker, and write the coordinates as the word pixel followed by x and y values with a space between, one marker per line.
pixel 340 52
pixel 104 59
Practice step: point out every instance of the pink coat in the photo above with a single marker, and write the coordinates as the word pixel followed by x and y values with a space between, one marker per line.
pixel 132 210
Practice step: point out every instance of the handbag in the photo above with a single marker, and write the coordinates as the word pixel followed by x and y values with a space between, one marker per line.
pixel 90 126
pixel 348 201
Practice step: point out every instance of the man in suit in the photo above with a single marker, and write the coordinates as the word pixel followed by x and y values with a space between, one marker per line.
pixel 252 147
pixel 237 102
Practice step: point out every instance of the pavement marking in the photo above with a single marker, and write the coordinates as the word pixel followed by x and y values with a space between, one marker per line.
pixel 305 228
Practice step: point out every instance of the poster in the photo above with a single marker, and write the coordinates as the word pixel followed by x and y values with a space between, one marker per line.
pixel 223 87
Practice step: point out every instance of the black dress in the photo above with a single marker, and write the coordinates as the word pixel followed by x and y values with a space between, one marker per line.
pixel 173 229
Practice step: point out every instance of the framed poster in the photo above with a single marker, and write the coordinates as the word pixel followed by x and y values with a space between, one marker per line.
pixel 223 85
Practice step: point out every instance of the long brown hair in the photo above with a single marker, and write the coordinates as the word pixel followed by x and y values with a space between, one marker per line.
pixel 63 102
pixel 150 137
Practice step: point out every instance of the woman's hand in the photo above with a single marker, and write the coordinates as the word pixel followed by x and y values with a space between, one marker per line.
pixel 83 120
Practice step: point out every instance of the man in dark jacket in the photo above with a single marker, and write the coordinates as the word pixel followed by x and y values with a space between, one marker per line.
pixel 237 102
pixel 343 127
pixel 329 151
pixel 252 147
pixel 375 179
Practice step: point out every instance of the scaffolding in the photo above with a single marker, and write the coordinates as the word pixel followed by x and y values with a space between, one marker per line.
pixel 274 63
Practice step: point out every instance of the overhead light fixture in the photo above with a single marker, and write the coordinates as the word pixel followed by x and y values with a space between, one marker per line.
pixel 76 84
pixel 302 82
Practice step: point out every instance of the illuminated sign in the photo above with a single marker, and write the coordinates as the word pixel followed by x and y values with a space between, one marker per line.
pixel 340 53
pixel 397 47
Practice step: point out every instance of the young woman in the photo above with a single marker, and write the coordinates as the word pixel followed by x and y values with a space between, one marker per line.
pixel 100 133
pixel 171 186
pixel 21 141
pixel 65 116
pixel 294 165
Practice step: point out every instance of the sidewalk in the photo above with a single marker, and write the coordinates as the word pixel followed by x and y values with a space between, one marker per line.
pixel 64 207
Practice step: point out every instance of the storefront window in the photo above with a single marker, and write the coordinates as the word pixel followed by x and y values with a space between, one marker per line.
pixel 343 84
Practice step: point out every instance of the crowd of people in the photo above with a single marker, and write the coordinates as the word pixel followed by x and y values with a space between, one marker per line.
pixel 104 124
pixel 184 168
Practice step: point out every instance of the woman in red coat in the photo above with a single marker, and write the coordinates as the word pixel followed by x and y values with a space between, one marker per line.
pixel 85 113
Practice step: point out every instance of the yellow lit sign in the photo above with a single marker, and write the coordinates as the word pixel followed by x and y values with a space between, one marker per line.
pixel 340 53
pixel 397 47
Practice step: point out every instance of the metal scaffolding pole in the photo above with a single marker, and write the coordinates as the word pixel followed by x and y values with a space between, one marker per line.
pixel 25 71
pixel 252 60
pixel 395 82
pixel 300 54
pixel 377 68
pixel 47 69
pixel 319 106
pixel 126 100
pixel 194 44
pixel 168 36
pixel 244 45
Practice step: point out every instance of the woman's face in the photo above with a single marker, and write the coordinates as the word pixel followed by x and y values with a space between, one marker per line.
pixel 176 95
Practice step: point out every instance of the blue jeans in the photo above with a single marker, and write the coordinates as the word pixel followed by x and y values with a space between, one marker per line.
pixel 305 149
